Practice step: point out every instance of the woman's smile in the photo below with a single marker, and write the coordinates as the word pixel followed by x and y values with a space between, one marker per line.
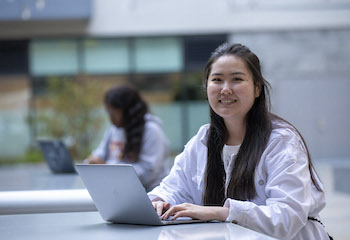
pixel 226 101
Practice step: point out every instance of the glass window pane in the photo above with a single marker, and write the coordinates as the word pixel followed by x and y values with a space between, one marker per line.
pixel 158 55
pixel 50 57
pixel 14 126
pixel 170 113
pixel 14 57
pixel 198 115
pixel 106 56
pixel 198 50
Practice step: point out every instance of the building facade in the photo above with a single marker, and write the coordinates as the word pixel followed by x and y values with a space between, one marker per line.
pixel 162 46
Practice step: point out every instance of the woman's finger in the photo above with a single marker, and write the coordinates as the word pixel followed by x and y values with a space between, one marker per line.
pixel 159 208
pixel 166 207
pixel 183 213
pixel 172 210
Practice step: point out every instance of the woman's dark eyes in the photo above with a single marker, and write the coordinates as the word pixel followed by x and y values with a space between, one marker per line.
pixel 218 79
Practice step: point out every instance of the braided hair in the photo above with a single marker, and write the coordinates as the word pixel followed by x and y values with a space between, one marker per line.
pixel 133 107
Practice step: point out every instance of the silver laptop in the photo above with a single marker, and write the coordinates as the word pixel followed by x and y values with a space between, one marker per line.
pixel 119 195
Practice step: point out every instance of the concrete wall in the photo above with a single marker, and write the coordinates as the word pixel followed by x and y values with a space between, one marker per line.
pixel 310 77
pixel 164 17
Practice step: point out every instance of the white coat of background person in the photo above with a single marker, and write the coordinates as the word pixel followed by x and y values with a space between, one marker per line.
pixel 135 137
pixel 247 166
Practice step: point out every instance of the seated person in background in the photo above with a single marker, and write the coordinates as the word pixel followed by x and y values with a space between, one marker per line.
pixel 135 137
pixel 247 166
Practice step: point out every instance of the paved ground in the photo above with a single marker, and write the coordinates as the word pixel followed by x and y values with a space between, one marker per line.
pixel 335 175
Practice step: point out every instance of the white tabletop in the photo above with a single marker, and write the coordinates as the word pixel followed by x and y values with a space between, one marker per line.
pixel 36 204
pixel 89 225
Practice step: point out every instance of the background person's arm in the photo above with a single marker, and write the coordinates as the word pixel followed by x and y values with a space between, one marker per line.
pixel 99 155
pixel 94 160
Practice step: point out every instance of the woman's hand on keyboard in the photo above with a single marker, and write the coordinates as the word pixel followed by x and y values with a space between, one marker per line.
pixel 197 212
pixel 160 206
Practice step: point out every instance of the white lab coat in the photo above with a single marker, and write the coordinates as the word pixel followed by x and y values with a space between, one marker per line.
pixel 153 163
pixel 285 197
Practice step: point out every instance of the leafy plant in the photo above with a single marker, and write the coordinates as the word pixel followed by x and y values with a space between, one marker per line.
pixel 72 112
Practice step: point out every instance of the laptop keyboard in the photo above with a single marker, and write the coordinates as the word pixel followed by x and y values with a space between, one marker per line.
pixel 180 220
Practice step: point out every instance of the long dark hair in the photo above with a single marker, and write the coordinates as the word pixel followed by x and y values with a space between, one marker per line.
pixel 258 130
pixel 134 108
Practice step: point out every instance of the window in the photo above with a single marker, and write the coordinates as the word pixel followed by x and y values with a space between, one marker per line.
pixel 158 55
pixel 105 56
pixel 53 57
pixel 198 50
pixel 13 57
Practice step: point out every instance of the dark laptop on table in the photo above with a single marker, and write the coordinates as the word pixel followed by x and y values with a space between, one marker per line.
pixel 56 155
pixel 119 196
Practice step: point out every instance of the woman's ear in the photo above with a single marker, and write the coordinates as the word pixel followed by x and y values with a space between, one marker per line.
pixel 257 90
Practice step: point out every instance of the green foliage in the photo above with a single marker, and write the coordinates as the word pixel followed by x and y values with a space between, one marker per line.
pixel 32 155
pixel 72 113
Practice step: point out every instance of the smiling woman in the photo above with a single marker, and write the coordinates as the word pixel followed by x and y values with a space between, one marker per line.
pixel 231 93
pixel 258 170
